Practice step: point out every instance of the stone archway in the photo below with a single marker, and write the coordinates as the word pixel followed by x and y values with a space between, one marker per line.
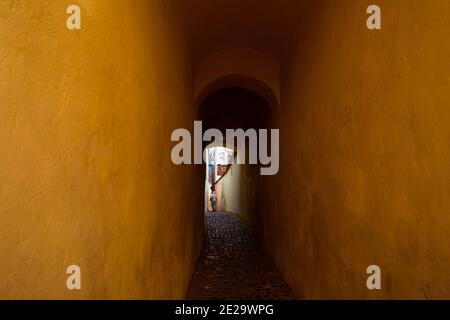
pixel 238 67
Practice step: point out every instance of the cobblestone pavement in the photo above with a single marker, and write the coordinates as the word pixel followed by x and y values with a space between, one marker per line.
pixel 232 266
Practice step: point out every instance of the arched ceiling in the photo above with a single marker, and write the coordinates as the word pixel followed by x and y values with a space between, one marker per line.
pixel 239 67
pixel 265 25
pixel 234 108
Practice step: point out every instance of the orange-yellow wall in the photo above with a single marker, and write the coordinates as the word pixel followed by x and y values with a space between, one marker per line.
pixel 365 159
pixel 85 170
pixel 250 182
pixel 239 192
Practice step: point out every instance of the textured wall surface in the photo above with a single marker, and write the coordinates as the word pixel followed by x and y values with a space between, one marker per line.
pixel 85 170
pixel 364 174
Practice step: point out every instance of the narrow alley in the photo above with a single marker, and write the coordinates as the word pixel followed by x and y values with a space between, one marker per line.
pixel 232 265
pixel 319 130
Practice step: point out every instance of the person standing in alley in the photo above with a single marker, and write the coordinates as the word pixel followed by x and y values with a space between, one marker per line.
pixel 213 200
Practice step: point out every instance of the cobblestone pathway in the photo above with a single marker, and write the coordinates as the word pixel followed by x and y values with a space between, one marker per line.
pixel 232 266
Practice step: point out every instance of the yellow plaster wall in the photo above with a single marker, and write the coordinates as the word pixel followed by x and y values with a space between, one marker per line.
pixel 85 170
pixel 365 157
pixel 230 190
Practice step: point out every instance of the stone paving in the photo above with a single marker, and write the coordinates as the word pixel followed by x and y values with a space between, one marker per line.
pixel 232 266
